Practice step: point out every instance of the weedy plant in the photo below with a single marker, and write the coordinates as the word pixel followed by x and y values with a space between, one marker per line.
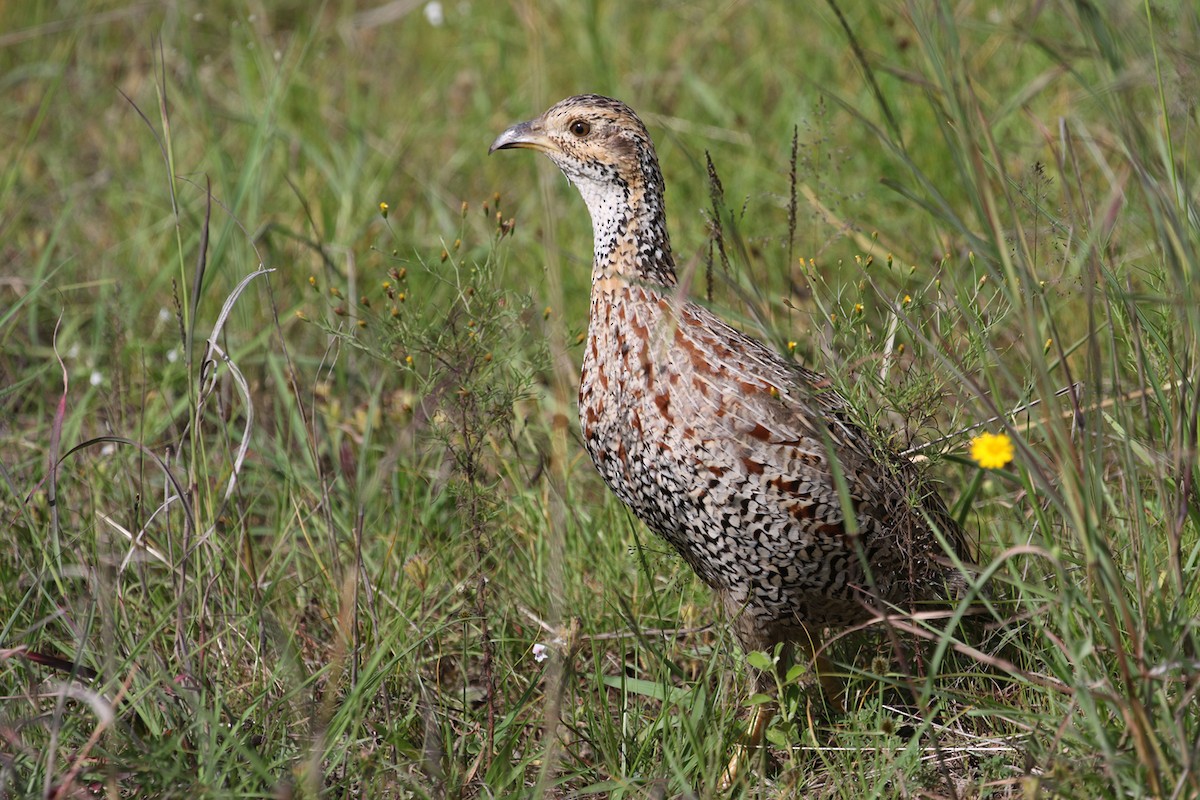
pixel 468 353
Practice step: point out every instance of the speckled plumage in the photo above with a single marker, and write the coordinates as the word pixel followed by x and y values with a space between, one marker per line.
pixel 723 447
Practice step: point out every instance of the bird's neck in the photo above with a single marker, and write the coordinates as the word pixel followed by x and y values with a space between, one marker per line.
pixel 629 226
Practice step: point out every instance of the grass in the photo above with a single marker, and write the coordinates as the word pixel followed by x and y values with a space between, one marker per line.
pixel 296 533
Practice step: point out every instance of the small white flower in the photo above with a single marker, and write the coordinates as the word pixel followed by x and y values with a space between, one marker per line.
pixel 95 379
pixel 540 652
pixel 435 14
pixel 164 314
pixel 173 355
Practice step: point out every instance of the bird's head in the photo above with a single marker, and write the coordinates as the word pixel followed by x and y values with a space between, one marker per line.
pixel 598 143
pixel 603 148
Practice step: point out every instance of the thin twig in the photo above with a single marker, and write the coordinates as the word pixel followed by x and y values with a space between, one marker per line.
pixel 612 636
pixel 997 418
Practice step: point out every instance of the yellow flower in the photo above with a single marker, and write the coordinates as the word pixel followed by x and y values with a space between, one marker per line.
pixel 383 209
pixel 992 450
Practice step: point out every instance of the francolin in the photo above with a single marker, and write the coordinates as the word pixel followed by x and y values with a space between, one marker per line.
pixel 747 463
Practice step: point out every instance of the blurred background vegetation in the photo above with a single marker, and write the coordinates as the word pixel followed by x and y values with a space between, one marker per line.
pixel 328 530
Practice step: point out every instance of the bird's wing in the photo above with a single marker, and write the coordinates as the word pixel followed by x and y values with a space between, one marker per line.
pixel 789 426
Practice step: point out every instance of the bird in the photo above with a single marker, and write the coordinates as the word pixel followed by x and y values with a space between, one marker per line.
pixel 749 464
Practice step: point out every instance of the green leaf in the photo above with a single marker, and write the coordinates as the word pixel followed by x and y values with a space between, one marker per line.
pixel 651 689
pixel 760 660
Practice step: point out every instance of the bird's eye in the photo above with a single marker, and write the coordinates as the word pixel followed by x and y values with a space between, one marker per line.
pixel 580 128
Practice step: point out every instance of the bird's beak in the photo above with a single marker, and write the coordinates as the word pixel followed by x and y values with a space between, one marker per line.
pixel 523 134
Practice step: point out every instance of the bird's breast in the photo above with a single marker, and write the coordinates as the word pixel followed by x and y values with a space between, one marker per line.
pixel 627 411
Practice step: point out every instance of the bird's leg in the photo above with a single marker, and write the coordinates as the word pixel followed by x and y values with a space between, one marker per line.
pixel 832 685
pixel 833 688
pixel 766 682
pixel 761 715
